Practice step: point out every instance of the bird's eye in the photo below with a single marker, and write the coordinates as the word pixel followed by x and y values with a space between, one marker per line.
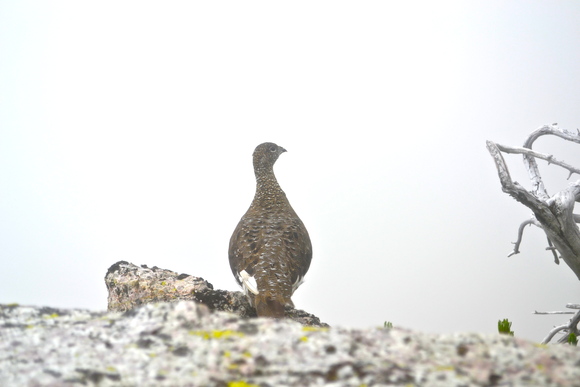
pixel 273 149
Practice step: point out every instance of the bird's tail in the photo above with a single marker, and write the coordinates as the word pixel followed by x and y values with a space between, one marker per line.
pixel 269 307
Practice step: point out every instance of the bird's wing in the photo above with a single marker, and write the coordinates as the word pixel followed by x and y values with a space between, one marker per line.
pixel 245 245
pixel 299 248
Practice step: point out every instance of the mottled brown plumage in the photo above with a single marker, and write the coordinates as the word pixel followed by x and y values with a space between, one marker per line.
pixel 270 250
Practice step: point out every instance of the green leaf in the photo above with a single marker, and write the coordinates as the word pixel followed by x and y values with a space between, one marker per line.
pixel 572 339
pixel 504 327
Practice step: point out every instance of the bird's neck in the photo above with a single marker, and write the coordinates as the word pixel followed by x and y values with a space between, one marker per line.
pixel 268 190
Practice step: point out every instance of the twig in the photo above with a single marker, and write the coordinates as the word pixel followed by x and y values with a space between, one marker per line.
pixel 558 312
pixel 554 251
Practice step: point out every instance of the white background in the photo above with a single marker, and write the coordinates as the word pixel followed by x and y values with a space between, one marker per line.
pixel 127 128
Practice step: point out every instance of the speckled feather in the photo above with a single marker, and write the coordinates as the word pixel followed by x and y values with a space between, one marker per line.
pixel 270 242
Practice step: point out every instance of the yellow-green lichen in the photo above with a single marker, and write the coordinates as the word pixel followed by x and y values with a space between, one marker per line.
pixel 444 368
pixel 240 383
pixel 216 334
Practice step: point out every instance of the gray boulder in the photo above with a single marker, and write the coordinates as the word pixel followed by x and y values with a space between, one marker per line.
pixel 130 286
pixel 185 344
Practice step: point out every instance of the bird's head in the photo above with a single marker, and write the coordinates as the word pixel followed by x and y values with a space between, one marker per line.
pixel 265 155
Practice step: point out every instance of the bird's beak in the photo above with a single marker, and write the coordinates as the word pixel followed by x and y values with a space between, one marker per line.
pixel 283 150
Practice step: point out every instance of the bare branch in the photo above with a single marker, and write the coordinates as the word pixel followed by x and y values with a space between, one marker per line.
pixel 553 130
pixel 553 213
pixel 502 169
pixel 517 243
pixel 514 189
pixel 549 158
pixel 553 332
pixel 521 234
pixel 530 162
pixel 572 326
pixel 559 312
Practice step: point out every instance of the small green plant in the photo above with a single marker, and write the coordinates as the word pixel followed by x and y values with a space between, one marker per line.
pixel 504 327
pixel 572 339
pixel 388 325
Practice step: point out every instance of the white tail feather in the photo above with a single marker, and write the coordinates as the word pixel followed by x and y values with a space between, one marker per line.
pixel 248 283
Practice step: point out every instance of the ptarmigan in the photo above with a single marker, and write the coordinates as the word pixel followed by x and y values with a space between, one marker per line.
pixel 270 250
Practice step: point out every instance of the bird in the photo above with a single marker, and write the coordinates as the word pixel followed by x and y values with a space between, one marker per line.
pixel 270 250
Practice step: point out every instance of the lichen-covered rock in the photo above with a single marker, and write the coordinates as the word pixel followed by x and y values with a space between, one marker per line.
pixel 185 344
pixel 130 286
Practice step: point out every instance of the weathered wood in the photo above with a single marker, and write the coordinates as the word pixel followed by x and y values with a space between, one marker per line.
pixel 554 214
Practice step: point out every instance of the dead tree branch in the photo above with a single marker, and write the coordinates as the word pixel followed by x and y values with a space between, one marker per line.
pixel 530 162
pixel 521 234
pixel 518 242
pixel 549 158
pixel 570 327
pixel 554 214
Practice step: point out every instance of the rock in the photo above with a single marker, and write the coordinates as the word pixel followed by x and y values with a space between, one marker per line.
pixel 130 285
pixel 185 344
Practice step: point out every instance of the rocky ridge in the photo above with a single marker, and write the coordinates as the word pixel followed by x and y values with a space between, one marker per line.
pixel 151 338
